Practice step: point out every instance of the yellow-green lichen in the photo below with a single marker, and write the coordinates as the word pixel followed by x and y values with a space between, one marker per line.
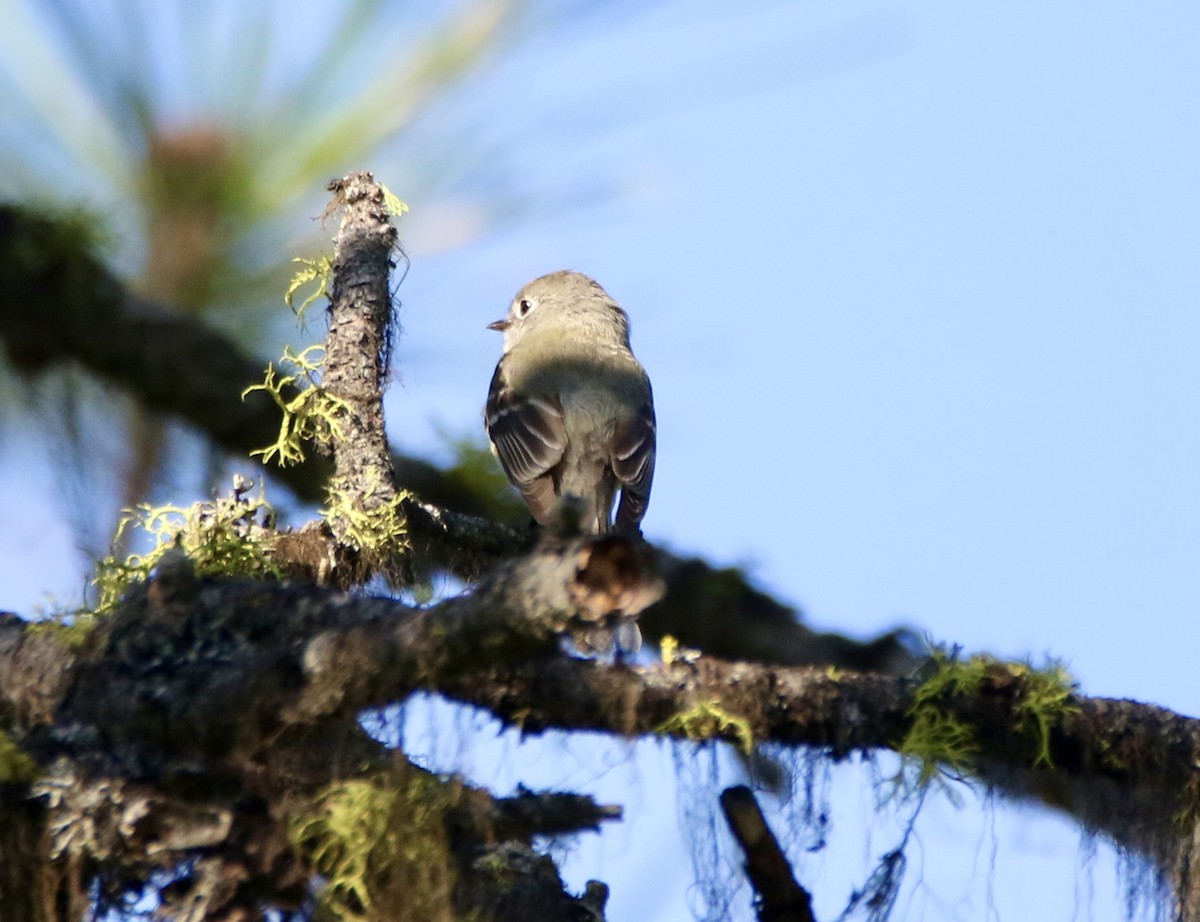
pixel 16 765
pixel 370 517
pixel 394 205
pixel 938 741
pixel 667 649
pixel 319 270
pixel 708 720
pixel 380 843
pixel 310 413
pixel 671 651
pixel 229 536
pixel 69 627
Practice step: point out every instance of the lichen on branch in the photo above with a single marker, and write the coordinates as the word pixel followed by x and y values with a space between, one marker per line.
pixel 336 402
pixel 231 535
pixel 310 412
pixel 942 738
pixel 365 511
pixel 381 842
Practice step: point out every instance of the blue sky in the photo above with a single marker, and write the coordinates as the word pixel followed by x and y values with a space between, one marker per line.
pixel 916 288
pixel 918 313
pixel 916 285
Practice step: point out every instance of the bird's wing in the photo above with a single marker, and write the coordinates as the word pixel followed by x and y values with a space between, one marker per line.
pixel 633 463
pixel 529 437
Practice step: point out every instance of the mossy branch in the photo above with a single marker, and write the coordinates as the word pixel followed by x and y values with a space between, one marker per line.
pixel 707 720
pixel 942 739
pixel 366 506
pixel 381 842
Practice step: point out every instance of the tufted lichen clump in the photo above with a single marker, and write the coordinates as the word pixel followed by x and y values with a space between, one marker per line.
pixel 229 536
pixel 371 516
pixel 319 270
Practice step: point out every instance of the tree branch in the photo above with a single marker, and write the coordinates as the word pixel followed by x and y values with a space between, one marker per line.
pixel 363 489
pixel 222 657
pixel 203 715
pixel 207 719
pixel 244 677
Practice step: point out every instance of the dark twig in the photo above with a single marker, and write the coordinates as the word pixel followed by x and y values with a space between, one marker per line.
pixel 780 897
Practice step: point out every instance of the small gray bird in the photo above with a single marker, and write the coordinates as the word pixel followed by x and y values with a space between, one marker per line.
pixel 570 412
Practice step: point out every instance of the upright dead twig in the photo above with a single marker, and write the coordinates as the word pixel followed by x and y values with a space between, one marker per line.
pixel 364 503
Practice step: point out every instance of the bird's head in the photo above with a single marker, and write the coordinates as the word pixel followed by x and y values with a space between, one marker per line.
pixel 565 301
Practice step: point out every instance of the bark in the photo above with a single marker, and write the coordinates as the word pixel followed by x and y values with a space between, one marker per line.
pixel 197 689
pixel 357 344
pixel 199 718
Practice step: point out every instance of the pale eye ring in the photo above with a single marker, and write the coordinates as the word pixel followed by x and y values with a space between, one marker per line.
pixel 524 306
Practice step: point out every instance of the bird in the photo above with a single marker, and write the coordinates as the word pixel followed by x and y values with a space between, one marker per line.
pixel 570 411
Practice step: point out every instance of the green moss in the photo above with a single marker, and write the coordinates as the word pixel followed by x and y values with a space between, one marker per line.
pixel 16 765
pixel 942 742
pixel 708 720
pixel 310 413
pixel 1046 696
pixel 938 741
pixel 381 842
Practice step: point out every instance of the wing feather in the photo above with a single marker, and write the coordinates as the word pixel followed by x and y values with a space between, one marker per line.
pixel 634 450
pixel 529 438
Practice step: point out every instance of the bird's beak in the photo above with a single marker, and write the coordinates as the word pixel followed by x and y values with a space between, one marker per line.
pixel 499 326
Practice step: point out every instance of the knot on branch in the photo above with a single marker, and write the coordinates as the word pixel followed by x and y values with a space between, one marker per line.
pixel 614 577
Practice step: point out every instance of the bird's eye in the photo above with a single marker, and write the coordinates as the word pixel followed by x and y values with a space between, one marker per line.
pixel 524 307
